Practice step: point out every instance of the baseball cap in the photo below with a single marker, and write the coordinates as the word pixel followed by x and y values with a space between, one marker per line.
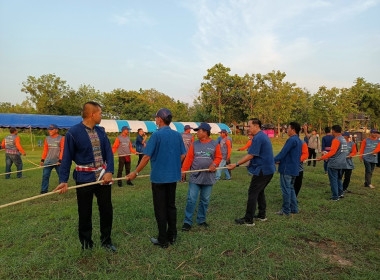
pixel 203 126
pixel 187 127
pixel 223 131
pixel 52 126
pixel 125 128
pixel 374 131
pixel 163 113
pixel 346 134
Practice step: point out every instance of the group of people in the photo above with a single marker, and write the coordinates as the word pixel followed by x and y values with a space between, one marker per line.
pixel 171 155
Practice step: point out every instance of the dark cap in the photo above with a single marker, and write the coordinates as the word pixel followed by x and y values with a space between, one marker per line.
pixel 203 126
pixel 125 128
pixel 187 127
pixel 52 126
pixel 346 134
pixel 374 131
pixel 223 131
pixel 163 113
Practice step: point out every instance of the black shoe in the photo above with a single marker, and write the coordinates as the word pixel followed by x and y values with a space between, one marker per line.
pixel 186 227
pixel 204 225
pixel 43 192
pixel 244 221
pixel 109 247
pixel 341 196
pixel 119 184
pixel 157 243
pixel 129 183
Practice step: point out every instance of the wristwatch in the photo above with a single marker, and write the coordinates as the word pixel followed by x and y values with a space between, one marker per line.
pixel 237 164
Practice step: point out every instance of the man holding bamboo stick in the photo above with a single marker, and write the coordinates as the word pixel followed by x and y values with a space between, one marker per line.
pixel 89 147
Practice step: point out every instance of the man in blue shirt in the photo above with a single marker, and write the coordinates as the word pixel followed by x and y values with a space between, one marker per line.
pixel 89 147
pixel 166 151
pixel 289 166
pixel 140 143
pixel 326 145
pixel 262 168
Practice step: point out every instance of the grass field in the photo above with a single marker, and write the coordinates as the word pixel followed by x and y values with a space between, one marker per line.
pixel 326 240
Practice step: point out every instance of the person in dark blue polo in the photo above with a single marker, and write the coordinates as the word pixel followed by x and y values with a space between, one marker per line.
pixel 166 151
pixel 262 168
pixel 89 147
pixel 289 164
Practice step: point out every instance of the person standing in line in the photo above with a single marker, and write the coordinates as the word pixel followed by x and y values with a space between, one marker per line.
pixel 187 137
pixel 299 178
pixel 313 145
pixel 13 150
pixel 166 151
pixel 52 154
pixel 140 144
pixel 203 154
pixel 250 137
pixel 326 145
pixel 225 147
pixel 350 164
pixel 123 146
pixel 337 162
pixel 89 147
pixel 261 166
pixel 370 147
pixel 289 166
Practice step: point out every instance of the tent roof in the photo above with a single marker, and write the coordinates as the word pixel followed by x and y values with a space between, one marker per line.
pixel 43 121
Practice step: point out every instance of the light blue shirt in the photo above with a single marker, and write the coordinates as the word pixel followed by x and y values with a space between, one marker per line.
pixel 165 148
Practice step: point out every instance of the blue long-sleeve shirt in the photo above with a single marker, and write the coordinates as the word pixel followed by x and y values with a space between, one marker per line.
pixel 326 142
pixel 289 157
pixel 78 148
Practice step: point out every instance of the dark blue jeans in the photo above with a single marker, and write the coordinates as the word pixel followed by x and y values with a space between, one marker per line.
pixel 46 176
pixel 9 160
pixel 369 167
pixel 192 197
pixel 289 200
pixel 335 177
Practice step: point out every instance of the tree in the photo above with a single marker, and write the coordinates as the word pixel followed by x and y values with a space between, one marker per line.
pixel 215 91
pixel 46 92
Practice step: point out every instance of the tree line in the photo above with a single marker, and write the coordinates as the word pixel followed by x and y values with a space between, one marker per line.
pixel 222 97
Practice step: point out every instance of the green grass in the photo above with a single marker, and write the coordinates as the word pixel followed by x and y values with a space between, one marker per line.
pixel 327 240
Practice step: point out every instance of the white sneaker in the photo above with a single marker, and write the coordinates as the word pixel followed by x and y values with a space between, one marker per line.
pixel 371 186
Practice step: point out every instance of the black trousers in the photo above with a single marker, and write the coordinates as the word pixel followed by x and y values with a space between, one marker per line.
pixel 165 210
pixel 123 163
pixel 256 195
pixel 312 154
pixel 298 183
pixel 140 157
pixel 85 196
pixel 347 178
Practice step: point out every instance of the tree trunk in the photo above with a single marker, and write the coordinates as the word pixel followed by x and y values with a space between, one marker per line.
pixel 220 105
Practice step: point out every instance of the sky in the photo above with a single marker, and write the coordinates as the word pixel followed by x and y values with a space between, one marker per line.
pixel 169 44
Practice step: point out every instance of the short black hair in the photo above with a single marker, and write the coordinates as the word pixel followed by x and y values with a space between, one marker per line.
pixel 327 129
pixel 337 128
pixel 139 129
pixel 296 126
pixel 85 112
pixel 168 119
pixel 12 130
pixel 256 121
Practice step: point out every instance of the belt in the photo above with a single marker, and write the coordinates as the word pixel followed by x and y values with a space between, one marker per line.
pixel 89 169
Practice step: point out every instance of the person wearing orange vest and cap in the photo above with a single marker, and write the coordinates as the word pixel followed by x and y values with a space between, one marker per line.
pixel 123 146
pixel 225 148
pixel 370 147
pixel 13 150
pixel 350 164
pixel 187 137
pixel 52 154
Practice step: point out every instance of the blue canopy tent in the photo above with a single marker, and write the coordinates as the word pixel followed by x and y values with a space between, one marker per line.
pixel 65 122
